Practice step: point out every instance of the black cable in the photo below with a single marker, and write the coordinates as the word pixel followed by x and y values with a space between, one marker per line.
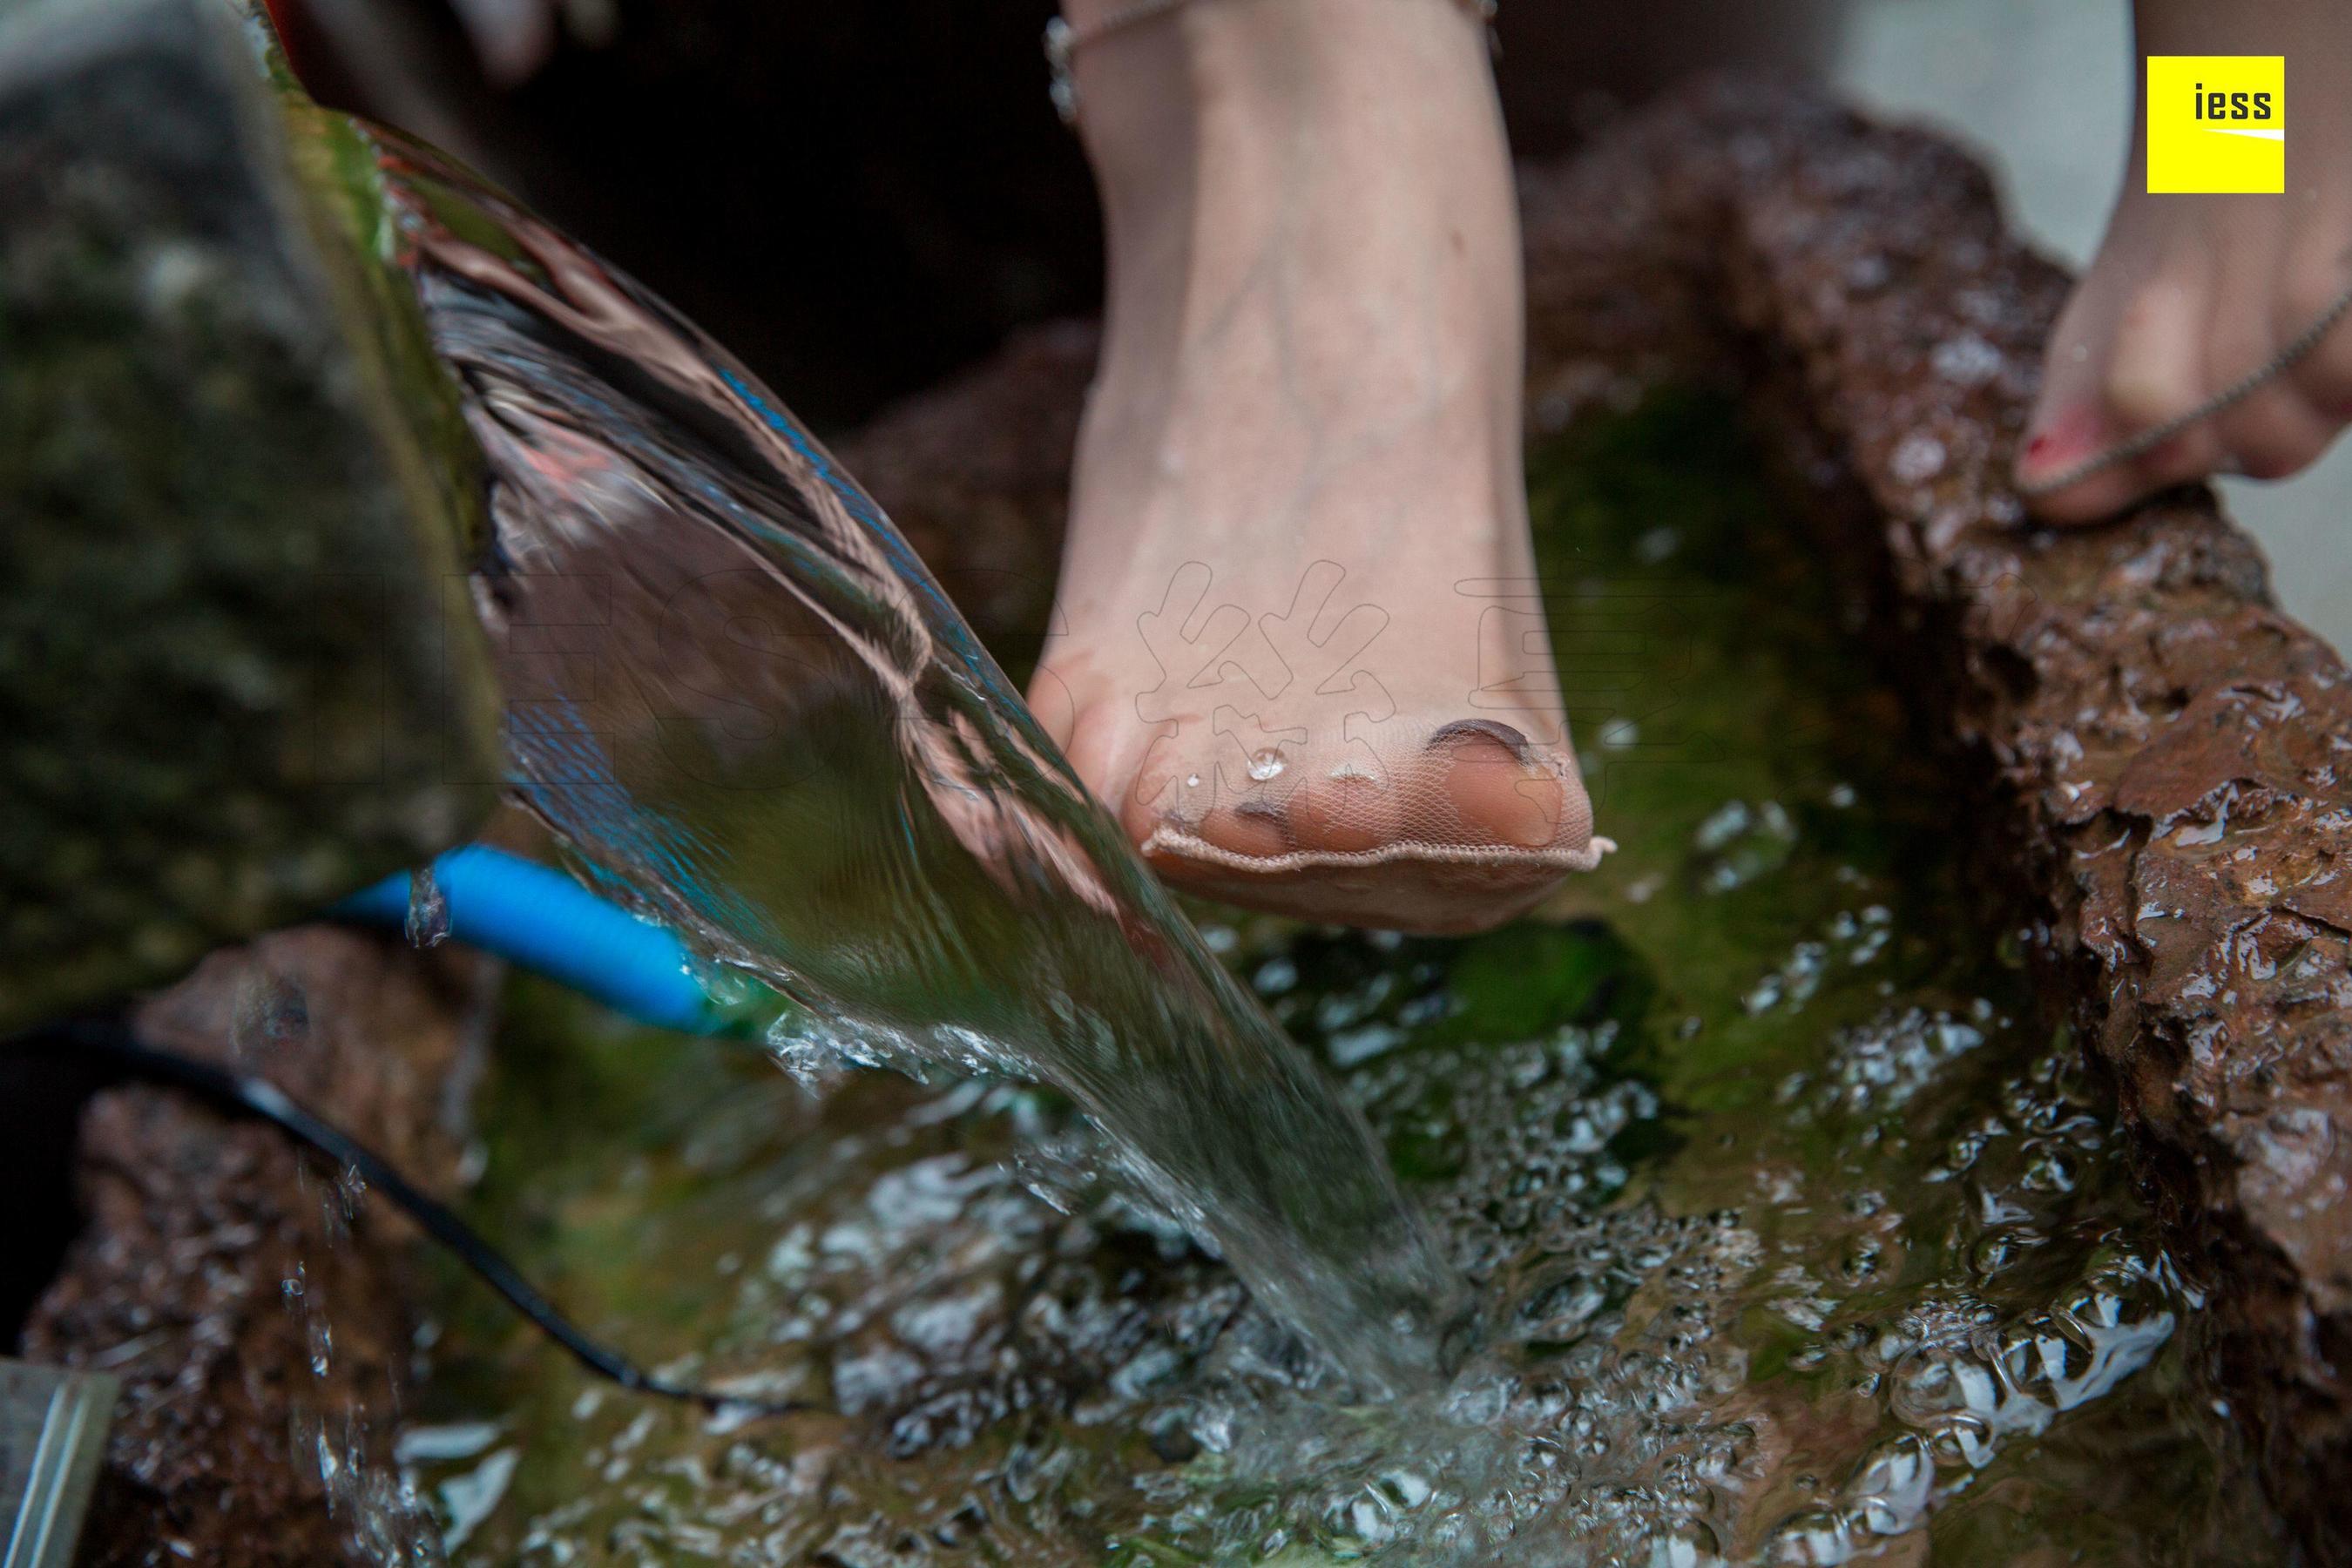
pixel 263 1100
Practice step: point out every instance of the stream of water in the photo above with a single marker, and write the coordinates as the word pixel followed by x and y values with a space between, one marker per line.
pixel 746 706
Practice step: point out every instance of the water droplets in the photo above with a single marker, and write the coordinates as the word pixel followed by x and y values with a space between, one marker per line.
pixel 428 910
pixel 471 1497
pixel 817 1054
pixel 1802 1274
pixel 1738 843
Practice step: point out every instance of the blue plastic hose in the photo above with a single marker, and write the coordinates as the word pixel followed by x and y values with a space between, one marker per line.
pixel 541 919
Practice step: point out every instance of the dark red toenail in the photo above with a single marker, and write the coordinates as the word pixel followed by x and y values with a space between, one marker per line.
pixel 1510 739
pixel 2065 437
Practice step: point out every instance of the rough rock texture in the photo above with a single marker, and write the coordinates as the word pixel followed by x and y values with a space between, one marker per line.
pixel 237 1440
pixel 229 693
pixel 2171 758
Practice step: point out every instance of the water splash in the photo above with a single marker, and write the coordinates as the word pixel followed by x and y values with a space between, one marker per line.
pixel 428 910
pixel 738 696
pixel 1854 1275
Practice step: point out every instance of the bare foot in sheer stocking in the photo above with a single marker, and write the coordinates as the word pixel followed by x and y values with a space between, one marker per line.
pixel 1300 649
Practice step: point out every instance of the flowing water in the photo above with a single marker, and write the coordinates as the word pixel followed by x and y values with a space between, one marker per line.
pixel 1792 1235
pixel 746 708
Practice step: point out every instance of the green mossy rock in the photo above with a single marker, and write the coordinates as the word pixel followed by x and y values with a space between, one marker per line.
pixel 237 679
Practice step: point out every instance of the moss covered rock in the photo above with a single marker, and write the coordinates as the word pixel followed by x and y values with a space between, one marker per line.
pixel 234 499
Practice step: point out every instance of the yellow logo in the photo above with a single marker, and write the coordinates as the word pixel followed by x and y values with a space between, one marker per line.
pixel 2216 123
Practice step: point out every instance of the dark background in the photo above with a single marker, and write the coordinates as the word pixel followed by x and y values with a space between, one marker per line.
pixel 857 196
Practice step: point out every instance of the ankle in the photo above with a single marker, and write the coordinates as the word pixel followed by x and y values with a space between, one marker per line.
pixel 1238 75
pixel 1224 132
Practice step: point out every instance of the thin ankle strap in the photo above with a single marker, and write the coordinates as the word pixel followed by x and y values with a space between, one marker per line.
pixel 1063 41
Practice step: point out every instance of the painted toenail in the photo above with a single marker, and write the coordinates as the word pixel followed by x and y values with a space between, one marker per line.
pixel 1501 792
pixel 1348 813
pixel 2066 438
pixel 1248 827
pixel 1503 734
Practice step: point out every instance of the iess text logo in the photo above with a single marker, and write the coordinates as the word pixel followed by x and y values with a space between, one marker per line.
pixel 2216 123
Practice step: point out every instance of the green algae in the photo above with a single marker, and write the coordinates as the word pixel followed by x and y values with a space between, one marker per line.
pixel 1797 1238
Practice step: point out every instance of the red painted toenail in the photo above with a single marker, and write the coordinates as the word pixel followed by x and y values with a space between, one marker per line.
pixel 2067 437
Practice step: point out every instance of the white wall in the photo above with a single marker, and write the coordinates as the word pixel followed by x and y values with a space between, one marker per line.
pixel 2043 89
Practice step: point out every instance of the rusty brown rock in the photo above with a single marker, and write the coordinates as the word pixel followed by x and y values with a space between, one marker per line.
pixel 179 1283
pixel 2171 757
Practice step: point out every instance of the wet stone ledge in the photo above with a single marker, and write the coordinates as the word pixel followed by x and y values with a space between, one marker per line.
pixel 2171 808
pixel 255 1309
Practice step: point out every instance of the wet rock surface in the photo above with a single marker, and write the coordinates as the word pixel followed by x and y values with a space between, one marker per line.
pixel 2169 749
pixel 255 1308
